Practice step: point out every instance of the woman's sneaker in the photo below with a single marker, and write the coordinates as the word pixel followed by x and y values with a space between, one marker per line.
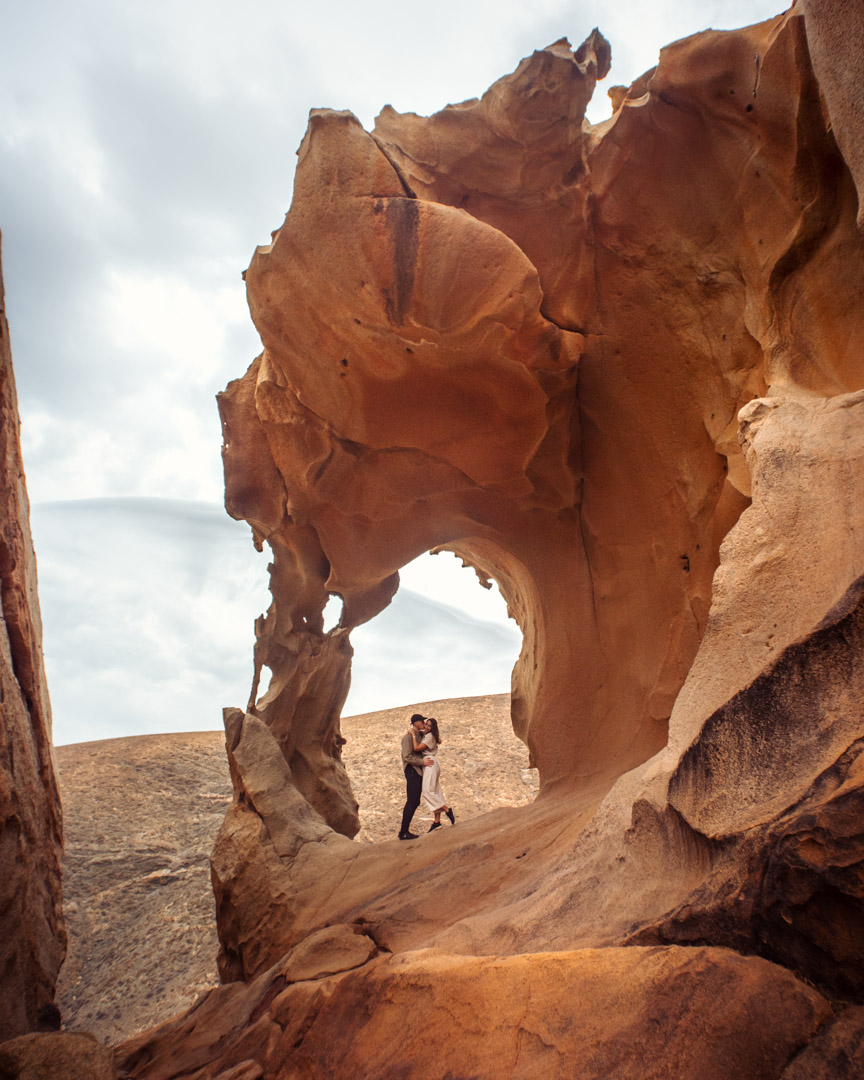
pixel 450 814
pixel 435 825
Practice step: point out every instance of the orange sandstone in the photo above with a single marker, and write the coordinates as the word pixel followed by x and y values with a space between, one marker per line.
pixel 32 937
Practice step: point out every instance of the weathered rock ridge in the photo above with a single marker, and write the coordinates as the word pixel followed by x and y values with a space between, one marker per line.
pixel 619 369
pixel 32 938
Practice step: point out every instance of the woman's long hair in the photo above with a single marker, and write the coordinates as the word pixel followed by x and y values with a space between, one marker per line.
pixel 434 724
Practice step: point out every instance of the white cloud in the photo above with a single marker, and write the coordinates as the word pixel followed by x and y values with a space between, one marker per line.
pixel 148 609
pixel 420 650
pixel 170 322
pixel 444 579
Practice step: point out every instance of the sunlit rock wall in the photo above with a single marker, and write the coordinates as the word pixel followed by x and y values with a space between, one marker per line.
pixel 32 938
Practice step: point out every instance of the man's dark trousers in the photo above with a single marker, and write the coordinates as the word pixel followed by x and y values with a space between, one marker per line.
pixel 413 790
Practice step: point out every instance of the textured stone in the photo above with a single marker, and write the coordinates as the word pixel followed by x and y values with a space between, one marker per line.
pixel 837 1052
pixel 32 937
pixel 785 870
pixel 628 1013
pixel 333 949
pixel 50 1055
pixel 835 38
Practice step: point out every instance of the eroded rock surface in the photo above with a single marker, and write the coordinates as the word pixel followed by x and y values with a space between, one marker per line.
pixel 620 369
pixel 627 1013
pixel 41 1056
pixel 32 937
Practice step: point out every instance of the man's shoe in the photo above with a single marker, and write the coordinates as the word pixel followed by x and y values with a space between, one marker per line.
pixel 408 835
pixel 434 825
pixel 450 814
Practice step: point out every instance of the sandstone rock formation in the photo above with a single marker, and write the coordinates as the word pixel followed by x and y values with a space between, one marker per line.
pixel 32 938
pixel 620 369
pixel 43 1056
pixel 623 1013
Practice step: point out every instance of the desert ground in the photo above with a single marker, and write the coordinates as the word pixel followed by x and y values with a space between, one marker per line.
pixel 141 814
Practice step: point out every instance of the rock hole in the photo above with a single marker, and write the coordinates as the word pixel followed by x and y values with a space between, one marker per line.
pixel 333 612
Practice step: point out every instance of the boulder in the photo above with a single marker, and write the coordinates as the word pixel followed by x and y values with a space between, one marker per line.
pixel 628 1013
pixel 47 1056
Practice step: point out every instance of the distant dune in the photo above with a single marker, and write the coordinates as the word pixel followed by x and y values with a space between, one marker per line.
pixel 141 814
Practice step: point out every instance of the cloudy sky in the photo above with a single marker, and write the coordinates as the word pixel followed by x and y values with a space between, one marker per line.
pixel 145 149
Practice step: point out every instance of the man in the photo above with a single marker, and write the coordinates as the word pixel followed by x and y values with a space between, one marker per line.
pixel 413 765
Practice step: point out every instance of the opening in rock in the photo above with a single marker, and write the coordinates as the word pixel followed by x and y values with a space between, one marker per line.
pixel 445 645
pixel 332 612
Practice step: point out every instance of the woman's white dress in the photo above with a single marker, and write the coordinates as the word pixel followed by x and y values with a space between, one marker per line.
pixel 433 796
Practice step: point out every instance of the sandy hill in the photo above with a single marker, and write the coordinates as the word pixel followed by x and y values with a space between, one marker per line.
pixel 141 814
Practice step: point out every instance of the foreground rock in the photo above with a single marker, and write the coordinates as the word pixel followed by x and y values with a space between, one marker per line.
pixel 32 938
pixel 627 1013
pixel 45 1056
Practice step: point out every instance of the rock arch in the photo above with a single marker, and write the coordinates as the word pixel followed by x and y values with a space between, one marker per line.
pixel 425 383
pixel 572 355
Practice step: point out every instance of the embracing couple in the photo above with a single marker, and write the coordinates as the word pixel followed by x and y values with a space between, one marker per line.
pixel 422 773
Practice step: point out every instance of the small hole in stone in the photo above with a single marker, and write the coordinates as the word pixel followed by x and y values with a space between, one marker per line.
pixel 332 612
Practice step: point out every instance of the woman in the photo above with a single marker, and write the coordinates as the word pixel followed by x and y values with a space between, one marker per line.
pixel 432 793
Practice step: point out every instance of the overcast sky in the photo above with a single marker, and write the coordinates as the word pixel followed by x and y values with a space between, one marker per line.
pixel 146 148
